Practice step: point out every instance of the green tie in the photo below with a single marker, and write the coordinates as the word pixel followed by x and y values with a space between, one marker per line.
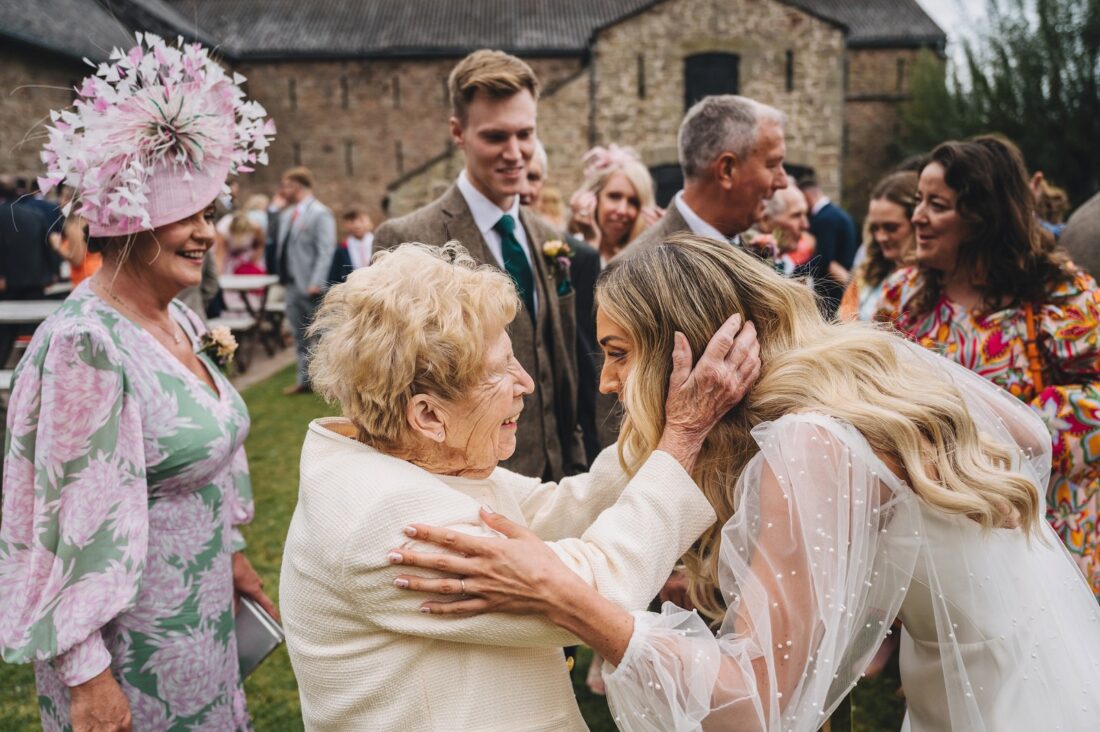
pixel 515 262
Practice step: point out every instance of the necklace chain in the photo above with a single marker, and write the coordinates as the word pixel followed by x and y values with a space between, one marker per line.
pixel 175 336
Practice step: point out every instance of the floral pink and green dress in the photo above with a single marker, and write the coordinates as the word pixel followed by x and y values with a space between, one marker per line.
pixel 124 481
pixel 994 345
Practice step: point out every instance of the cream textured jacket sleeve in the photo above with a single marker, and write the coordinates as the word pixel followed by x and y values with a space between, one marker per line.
pixel 628 552
pixel 567 508
pixel 626 555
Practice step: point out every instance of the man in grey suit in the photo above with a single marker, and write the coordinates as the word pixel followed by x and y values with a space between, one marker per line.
pixel 731 150
pixel 494 100
pixel 303 255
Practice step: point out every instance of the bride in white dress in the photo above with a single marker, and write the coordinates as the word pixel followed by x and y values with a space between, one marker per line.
pixel 862 479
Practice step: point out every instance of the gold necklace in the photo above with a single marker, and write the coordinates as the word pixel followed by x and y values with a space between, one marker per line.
pixel 175 336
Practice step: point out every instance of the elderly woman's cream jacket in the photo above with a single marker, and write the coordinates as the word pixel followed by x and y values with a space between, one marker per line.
pixel 366 659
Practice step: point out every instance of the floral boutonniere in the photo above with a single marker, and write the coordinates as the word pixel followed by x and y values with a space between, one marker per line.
pixel 220 345
pixel 558 255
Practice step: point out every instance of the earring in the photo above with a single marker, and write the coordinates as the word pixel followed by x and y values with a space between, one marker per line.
pixel 440 436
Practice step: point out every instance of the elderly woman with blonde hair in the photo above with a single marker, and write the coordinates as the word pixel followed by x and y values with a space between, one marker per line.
pixel 415 350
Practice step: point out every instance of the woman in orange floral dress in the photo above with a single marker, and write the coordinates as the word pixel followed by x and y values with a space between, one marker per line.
pixel 992 293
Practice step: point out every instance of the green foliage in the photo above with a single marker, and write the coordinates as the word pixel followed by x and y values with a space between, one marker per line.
pixel 1034 76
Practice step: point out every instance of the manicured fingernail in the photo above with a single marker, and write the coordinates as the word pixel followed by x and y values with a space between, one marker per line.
pixel 409 530
pixel 394 558
pixel 425 609
pixel 402 583
pixel 487 510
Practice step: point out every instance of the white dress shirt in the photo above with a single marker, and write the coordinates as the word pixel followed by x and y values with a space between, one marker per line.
pixel 700 227
pixel 486 215
pixel 359 250
pixel 821 203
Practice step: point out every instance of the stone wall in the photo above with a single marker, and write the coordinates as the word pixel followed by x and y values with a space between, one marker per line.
pixel 359 125
pixel 877 87
pixel 636 80
pixel 655 44
pixel 562 127
pixel 371 129
pixel 32 82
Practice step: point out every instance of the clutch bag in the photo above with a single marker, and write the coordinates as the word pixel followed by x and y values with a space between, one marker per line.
pixel 257 635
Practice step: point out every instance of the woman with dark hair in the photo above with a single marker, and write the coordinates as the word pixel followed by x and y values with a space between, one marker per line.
pixel 993 293
pixel 889 243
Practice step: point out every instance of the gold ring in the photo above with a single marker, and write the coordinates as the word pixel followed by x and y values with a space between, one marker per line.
pixel 462 584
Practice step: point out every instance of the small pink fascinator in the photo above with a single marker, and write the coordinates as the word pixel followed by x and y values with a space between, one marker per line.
pixel 600 158
pixel 152 137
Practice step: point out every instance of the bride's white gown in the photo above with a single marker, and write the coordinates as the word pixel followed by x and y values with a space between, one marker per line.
pixel 827 547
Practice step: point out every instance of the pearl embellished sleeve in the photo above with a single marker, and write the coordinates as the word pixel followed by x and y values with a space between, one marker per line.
pixel 810 585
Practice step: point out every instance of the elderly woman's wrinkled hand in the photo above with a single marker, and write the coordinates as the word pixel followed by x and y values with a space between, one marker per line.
pixel 518 574
pixel 99 705
pixel 699 397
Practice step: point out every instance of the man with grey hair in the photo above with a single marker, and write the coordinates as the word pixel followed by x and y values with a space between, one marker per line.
pixel 731 151
pixel 786 220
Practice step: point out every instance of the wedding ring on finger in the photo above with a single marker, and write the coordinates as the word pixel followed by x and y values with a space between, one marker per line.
pixel 462 585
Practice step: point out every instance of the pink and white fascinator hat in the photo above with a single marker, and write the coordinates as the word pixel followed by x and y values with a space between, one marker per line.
pixel 600 158
pixel 152 137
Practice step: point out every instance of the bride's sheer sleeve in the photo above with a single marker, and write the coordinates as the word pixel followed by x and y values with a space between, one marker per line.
pixel 811 584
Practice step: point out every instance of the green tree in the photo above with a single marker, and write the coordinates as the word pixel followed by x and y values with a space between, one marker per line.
pixel 1032 76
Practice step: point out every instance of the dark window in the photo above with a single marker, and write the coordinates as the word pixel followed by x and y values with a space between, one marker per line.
pixel 710 73
pixel 399 156
pixel 397 92
pixel 292 93
pixel 901 74
pixel 297 153
pixel 790 71
pixel 641 76
pixel 344 92
pixel 446 92
pixel 667 179
pixel 349 158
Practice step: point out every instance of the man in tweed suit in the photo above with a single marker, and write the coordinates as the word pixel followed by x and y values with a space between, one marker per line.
pixel 731 150
pixel 494 99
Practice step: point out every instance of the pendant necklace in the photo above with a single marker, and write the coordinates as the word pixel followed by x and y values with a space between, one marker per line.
pixel 175 336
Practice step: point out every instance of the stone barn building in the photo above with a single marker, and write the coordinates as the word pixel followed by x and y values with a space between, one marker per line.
pixel 358 87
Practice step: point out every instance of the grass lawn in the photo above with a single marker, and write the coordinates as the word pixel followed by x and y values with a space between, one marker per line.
pixel 278 425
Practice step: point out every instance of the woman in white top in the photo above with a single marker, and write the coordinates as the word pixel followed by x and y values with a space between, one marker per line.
pixel 414 349
pixel 861 479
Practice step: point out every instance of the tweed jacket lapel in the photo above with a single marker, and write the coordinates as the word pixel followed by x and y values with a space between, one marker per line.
pixel 459 225
pixel 672 222
pixel 548 293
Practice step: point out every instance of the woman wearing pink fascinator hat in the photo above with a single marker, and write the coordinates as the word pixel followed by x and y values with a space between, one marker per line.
pixel 615 203
pixel 125 478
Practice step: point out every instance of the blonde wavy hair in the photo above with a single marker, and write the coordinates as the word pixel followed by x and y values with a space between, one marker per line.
pixel 849 371
pixel 596 178
pixel 413 322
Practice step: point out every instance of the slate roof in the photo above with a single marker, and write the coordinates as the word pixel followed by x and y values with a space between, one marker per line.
pixel 90 28
pixel 68 27
pixel 877 23
pixel 279 28
pixel 254 29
